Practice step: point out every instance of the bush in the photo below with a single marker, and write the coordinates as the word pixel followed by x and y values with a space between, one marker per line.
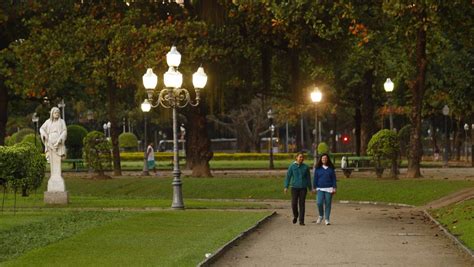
pixel 74 141
pixel 128 141
pixel 30 139
pixel 18 136
pixel 21 166
pixel 384 148
pixel 97 153
pixel 323 148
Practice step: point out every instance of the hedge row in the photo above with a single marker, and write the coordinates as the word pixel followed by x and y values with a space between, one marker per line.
pixel 136 156
pixel 21 166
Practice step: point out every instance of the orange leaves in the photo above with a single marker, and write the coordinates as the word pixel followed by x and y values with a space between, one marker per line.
pixel 276 22
pixel 360 31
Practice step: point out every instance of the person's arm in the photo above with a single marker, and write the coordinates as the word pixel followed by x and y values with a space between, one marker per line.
pixel 334 182
pixel 287 179
pixel 315 179
pixel 308 178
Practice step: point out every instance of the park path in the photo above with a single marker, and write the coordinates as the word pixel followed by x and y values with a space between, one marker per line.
pixel 360 235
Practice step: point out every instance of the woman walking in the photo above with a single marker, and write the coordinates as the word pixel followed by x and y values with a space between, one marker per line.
pixel 299 179
pixel 325 185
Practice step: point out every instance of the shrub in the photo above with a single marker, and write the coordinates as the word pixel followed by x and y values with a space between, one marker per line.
pixel 74 141
pixel 384 148
pixel 323 148
pixel 30 139
pixel 128 141
pixel 21 166
pixel 18 136
pixel 97 153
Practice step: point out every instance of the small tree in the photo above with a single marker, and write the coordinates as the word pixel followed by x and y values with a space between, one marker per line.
pixel 323 148
pixel 128 141
pixel 18 136
pixel 74 141
pixel 97 152
pixel 384 147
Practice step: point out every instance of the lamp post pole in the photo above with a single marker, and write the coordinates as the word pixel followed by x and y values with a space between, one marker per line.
pixel 388 86
pixel 316 97
pixel 174 97
pixel 62 106
pixel 446 145
pixel 272 129
pixel 35 119
pixel 466 128
pixel 145 106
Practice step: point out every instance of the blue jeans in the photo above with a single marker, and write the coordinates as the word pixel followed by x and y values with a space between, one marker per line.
pixel 324 198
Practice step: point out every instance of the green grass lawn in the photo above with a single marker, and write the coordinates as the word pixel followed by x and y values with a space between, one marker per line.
pixel 198 192
pixel 459 220
pixel 163 238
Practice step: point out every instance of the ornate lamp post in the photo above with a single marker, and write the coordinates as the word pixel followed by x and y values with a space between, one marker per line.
pixel 146 107
pixel 174 97
pixel 35 119
pixel 316 97
pixel 446 145
pixel 272 130
pixel 107 127
pixel 62 106
pixel 466 128
pixel 388 86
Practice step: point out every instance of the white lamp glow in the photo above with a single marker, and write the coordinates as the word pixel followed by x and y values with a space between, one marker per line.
pixel 199 78
pixel 173 78
pixel 146 106
pixel 150 80
pixel 388 85
pixel 173 58
pixel 316 95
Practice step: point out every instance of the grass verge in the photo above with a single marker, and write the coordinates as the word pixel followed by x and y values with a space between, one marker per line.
pixel 459 220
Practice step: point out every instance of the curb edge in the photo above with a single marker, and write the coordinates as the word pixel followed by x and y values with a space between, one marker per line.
pixel 220 251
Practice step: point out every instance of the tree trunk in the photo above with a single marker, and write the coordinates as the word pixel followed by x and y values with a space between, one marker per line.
pixel 458 138
pixel 357 137
pixel 3 111
pixel 368 125
pixel 294 72
pixel 333 136
pixel 114 130
pixel 198 144
pixel 418 90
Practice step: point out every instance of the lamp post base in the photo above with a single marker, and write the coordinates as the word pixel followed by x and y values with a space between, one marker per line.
pixel 56 197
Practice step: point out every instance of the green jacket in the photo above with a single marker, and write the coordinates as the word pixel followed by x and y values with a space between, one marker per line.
pixel 298 176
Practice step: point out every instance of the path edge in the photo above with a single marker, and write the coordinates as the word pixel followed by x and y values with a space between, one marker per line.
pixel 220 251
pixel 458 242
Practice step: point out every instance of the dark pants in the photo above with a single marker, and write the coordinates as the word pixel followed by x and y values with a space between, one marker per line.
pixel 298 197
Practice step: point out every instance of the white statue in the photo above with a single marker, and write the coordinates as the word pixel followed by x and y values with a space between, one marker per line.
pixel 53 134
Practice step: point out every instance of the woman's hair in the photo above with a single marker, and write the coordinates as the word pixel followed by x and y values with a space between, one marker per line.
pixel 320 162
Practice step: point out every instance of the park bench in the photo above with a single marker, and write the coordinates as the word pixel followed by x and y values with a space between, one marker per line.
pixel 355 163
pixel 77 164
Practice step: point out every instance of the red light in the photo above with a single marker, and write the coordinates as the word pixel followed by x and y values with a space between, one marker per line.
pixel 345 139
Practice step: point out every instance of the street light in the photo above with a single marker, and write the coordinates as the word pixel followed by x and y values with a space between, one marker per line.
pixel 316 97
pixel 466 128
pixel 388 86
pixel 146 107
pixel 62 106
pixel 107 127
pixel 272 129
pixel 446 145
pixel 35 120
pixel 173 96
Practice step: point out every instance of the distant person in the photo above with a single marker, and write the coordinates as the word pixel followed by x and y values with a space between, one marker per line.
pixel 150 156
pixel 325 185
pixel 298 178
pixel 436 154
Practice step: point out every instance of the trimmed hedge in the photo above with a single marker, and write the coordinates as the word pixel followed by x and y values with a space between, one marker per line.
pixel 30 139
pixel 97 151
pixel 128 141
pixel 21 166
pixel 136 156
pixel 18 136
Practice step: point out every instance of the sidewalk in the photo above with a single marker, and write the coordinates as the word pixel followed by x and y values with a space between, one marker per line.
pixel 360 235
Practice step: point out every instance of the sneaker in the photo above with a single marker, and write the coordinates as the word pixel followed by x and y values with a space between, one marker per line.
pixel 302 223
pixel 327 222
pixel 320 219
pixel 294 220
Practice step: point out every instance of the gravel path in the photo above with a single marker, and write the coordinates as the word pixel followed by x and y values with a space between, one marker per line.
pixel 360 235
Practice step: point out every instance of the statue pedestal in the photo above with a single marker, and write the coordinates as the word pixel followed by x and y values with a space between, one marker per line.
pixel 56 197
